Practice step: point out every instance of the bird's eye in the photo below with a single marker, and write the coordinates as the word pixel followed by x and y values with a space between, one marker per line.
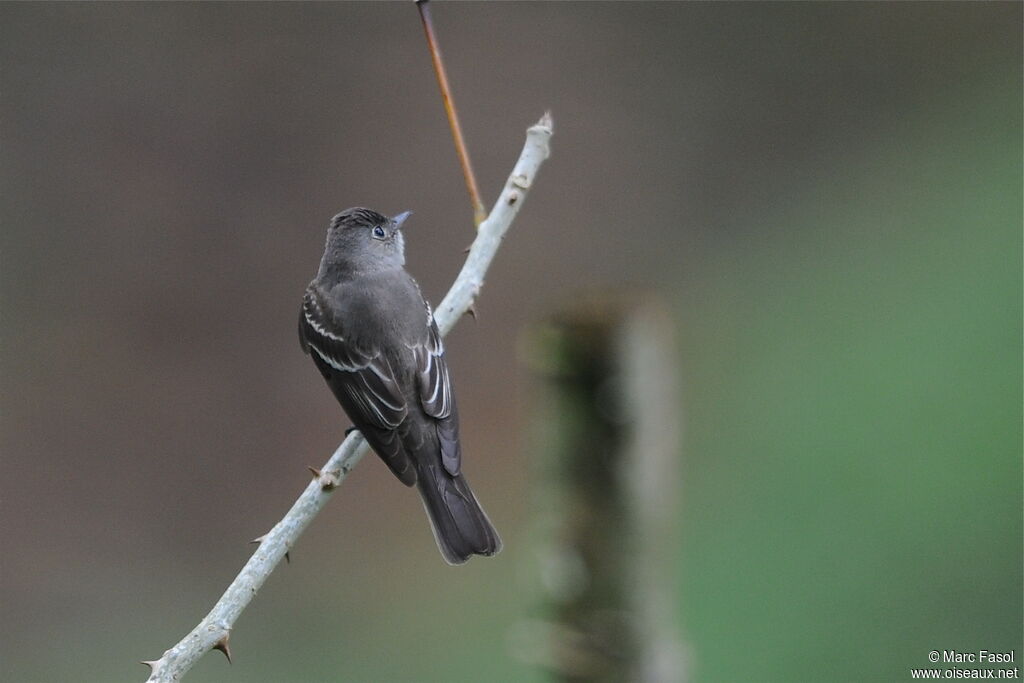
pixel 378 232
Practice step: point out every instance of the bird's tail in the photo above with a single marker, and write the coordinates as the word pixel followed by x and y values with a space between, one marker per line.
pixel 460 525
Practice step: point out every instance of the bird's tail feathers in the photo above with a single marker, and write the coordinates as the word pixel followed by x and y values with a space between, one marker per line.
pixel 461 527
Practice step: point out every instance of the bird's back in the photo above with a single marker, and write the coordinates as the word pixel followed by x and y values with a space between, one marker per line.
pixel 363 306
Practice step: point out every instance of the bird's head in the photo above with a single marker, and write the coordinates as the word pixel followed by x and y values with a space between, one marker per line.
pixel 363 241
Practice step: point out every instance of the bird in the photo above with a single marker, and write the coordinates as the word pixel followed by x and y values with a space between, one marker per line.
pixel 373 337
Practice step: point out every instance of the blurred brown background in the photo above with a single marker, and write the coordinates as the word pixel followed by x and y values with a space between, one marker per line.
pixel 828 194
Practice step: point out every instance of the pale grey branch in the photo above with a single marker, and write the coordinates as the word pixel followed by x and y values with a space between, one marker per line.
pixel 215 628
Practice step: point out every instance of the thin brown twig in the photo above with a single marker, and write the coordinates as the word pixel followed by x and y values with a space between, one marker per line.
pixel 479 213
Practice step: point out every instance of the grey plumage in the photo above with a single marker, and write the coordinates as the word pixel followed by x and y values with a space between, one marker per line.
pixel 374 340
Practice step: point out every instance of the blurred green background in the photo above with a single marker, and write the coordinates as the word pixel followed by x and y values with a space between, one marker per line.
pixel 829 195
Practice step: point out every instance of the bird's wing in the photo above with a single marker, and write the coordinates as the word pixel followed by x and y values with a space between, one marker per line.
pixel 435 391
pixel 362 381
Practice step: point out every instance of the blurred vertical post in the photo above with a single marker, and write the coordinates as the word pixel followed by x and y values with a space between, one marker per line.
pixel 609 444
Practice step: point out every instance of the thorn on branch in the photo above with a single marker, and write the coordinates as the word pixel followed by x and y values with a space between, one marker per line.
pixel 260 539
pixel 222 645
pixel 151 663
pixel 472 310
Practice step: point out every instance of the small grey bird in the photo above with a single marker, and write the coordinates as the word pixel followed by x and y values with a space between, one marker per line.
pixel 373 338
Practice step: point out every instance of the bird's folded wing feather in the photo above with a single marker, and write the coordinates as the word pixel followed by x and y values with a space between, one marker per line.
pixel 361 379
pixel 435 385
pixel 435 391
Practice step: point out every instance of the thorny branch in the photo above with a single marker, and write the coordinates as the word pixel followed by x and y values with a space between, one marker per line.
pixel 214 630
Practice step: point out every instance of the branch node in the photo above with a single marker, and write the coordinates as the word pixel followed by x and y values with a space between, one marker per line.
pixel 330 480
pixel 327 480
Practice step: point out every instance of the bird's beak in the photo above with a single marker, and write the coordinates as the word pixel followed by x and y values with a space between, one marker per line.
pixel 400 218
